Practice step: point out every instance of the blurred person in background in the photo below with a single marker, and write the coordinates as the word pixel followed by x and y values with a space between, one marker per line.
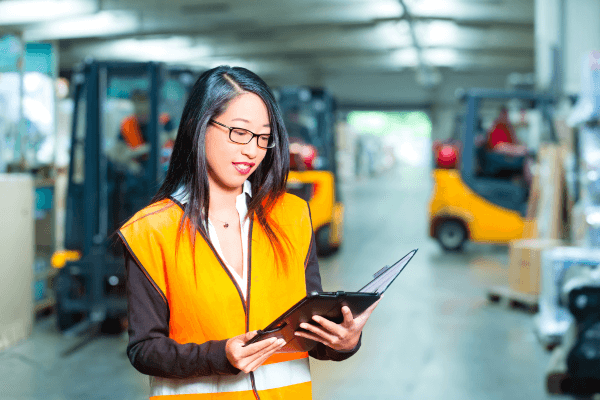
pixel 132 147
pixel 499 153
pixel 129 155
pixel 501 137
pixel 222 251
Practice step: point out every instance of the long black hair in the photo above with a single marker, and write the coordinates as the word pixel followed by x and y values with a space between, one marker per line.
pixel 208 99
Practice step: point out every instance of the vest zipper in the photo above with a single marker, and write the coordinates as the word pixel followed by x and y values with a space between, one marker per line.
pixel 246 303
pixel 249 273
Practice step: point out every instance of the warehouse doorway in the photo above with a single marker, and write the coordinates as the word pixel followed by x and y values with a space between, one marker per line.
pixel 378 141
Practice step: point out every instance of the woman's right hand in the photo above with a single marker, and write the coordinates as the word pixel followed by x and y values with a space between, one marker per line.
pixel 249 358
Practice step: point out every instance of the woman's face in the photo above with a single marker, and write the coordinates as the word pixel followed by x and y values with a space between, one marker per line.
pixel 230 163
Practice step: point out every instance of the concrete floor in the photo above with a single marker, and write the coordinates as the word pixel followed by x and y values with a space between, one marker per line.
pixel 434 336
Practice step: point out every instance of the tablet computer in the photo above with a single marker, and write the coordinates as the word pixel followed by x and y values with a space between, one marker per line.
pixel 328 305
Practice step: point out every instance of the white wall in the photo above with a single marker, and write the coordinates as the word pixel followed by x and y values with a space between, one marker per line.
pixel 570 25
pixel 582 36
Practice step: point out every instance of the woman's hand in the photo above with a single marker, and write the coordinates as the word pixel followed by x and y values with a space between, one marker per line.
pixel 251 357
pixel 342 336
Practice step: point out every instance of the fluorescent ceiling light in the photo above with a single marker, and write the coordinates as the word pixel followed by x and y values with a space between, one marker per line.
pixel 232 62
pixel 16 12
pixel 407 57
pixel 99 24
pixel 393 34
pixel 442 57
pixel 386 9
pixel 173 49
pixel 429 7
pixel 438 33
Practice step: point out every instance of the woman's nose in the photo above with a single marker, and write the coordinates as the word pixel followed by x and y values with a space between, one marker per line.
pixel 251 149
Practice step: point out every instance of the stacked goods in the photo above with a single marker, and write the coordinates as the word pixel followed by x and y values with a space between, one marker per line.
pixel 570 293
pixel 554 318
pixel 17 254
pixel 526 262
pixel 586 229
pixel 546 210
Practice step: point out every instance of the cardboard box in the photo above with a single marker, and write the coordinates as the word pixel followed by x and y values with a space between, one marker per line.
pixel 550 206
pixel 525 264
pixel 17 255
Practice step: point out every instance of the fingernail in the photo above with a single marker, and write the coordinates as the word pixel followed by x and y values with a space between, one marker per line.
pixel 272 340
pixel 303 325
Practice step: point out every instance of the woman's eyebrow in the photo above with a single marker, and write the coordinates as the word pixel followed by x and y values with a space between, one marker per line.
pixel 246 121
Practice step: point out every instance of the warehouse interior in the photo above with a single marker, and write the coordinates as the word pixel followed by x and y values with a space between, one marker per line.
pixel 468 130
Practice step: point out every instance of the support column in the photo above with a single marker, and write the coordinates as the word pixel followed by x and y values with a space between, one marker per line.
pixel 582 35
pixel 565 32
pixel 548 33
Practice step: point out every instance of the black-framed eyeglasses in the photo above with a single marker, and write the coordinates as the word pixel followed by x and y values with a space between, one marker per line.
pixel 244 136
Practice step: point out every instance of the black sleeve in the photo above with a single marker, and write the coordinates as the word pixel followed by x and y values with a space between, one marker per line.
pixel 150 350
pixel 313 284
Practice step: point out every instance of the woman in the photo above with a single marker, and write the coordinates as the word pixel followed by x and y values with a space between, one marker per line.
pixel 222 251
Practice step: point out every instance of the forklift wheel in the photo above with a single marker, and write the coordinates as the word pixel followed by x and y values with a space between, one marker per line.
pixel 113 325
pixel 324 247
pixel 66 320
pixel 451 235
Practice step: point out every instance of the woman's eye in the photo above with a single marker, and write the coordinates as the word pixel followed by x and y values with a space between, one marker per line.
pixel 241 133
pixel 264 140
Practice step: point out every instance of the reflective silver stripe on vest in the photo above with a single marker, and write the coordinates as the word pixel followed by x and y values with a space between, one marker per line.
pixel 266 377
pixel 282 374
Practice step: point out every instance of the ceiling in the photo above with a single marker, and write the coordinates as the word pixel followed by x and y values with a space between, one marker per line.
pixel 273 36
pixel 429 40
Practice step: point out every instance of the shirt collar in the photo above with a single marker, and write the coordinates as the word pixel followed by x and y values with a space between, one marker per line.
pixel 182 196
pixel 247 188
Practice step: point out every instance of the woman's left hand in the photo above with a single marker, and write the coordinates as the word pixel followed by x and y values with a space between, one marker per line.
pixel 342 336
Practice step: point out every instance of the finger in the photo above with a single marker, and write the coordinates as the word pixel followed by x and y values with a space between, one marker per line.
pixel 244 337
pixel 312 336
pixel 251 360
pixel 258 362
pixel 250 335
pixel 348 318
pixel 364 316
pixel 332 327
pixel 372 307
pixel 265 350
pixel 328 336
pixel 256 347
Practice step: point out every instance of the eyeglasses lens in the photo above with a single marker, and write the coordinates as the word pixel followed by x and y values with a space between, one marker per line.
pixel 243 137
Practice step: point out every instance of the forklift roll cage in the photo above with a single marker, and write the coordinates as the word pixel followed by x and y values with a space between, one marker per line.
pixel 91 289
pixel 497 191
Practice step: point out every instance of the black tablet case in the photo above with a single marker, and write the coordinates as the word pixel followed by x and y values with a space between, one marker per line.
pixel 329 305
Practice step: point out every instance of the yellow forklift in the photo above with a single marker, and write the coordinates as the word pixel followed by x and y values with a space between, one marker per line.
pixel 125 119
pixel 309 116
pixel 479 195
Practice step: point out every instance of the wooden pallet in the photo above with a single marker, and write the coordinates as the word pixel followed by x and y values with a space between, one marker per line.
pixel 44 307
pixel 513 299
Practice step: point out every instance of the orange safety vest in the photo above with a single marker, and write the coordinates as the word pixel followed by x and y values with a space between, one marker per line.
pixel 211 307
pixel 132 133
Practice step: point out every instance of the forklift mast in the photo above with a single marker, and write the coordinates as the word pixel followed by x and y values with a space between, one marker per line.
pixel 103 192
pixel 501 192
pixel 309 115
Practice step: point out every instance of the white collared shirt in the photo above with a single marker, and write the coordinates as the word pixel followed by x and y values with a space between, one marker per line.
pixel 242 209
